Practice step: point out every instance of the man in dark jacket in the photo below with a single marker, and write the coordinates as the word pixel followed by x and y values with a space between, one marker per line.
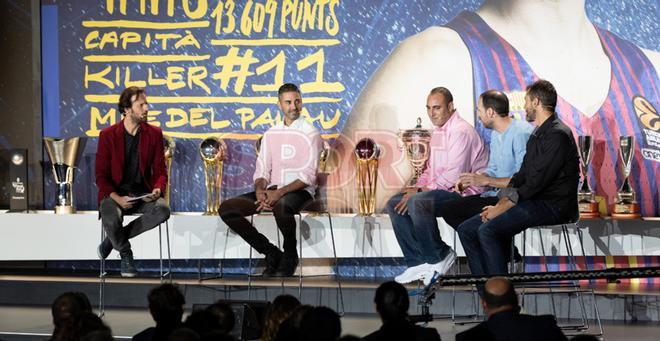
pixel 505 322
pixel 131 177
pixel 392 304
pixel 542 192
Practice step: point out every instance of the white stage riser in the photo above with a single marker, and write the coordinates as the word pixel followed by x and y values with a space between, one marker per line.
pixel 46 236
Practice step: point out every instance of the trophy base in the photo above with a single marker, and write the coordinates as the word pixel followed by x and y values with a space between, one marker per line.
pixel 625 211
pixel 588 210
pixel 65 210
pixel 210 213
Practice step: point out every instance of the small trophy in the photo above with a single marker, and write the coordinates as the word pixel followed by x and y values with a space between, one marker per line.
pixel 64 155
pixel 417 144
pixel 366 167
pixel 626 207
pixel 169 146
pixel 586 199
pixel 212 151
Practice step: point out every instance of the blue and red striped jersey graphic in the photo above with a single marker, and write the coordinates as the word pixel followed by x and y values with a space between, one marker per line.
pixel 629 109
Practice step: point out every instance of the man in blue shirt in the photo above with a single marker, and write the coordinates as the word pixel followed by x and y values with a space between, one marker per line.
pixel 507 149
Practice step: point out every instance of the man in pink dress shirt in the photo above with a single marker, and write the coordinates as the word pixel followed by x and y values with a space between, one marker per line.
pixel 284 181
pixel 456 148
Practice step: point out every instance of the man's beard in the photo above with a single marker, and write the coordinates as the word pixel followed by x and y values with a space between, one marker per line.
pixel 530 115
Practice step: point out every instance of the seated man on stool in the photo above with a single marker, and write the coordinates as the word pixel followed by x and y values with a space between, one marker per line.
pixel 505 322
pixel 455 148
pixel 130 163
pixel 542 192
pixel 284 181
pixel 508 143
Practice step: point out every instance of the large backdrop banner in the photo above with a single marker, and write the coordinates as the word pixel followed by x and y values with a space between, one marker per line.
pixel 212 68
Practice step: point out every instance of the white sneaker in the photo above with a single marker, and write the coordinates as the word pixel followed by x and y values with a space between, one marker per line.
pixel 412 274
pixel 427 276
pixel 444 265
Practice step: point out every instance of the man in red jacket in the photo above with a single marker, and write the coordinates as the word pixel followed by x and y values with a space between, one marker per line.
pixel 130 164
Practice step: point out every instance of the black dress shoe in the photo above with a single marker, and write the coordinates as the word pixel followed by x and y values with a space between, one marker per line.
pixel 287 266
pixel 272 263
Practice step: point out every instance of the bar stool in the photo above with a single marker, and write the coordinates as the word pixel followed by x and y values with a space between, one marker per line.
pixel 572 262
pixel 316 207
pixel 103 274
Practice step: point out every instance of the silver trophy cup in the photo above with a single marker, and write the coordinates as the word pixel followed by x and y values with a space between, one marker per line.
pixel 64 155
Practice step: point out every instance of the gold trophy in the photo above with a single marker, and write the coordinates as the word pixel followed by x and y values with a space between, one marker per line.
pixel 366 167
pixel 586 198
pixel 169 146
pixel 212 151
pixel 64 155
pixel 626 207
pixel 417 144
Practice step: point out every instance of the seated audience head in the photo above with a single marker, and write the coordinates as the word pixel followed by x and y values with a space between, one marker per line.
pixel 320 324
pixel 202 322
pixel 166 304
pixel 277 312
pixel 225 316
pixel 69 305
pixel 86 326
pixel 392 301
pixel 290 328
pixel 499 295
pixel 183 334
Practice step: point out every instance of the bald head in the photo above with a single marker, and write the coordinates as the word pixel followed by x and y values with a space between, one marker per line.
pixel 499 293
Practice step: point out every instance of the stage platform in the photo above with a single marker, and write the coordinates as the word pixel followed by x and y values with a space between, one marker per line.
pixel 45 236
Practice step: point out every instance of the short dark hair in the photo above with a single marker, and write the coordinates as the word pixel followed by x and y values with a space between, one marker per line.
pixel 496 100
pixel 225 315
pixel 166 304
pixel 69 305
pixel 320 323
pixel 545 92
pixel 509 297
pixel 446 94
pixel 288 87
pixel 392 301
pixel 126 97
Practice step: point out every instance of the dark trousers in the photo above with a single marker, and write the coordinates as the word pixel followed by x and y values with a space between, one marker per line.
pixel 234 211
pixel 485 243
pixel 456 211
pixel 112 218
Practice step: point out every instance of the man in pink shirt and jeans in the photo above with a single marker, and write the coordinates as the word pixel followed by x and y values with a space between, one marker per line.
pixel 456 148
pixel 284 181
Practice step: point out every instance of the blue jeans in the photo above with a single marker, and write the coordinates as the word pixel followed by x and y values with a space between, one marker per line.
pixel 486 244
pixel 417 230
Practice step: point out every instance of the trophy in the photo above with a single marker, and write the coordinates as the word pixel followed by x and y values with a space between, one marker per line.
pixel 625 206
pixel 212 151
pixel 586 199
pixel 169 146
pixel 417 144
pixel 64 155
pixel 366 167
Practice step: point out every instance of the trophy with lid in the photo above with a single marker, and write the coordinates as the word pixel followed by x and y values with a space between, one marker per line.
pixel 417 143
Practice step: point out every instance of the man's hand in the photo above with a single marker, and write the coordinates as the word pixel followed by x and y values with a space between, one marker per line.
pixel 474 179
pixel 272 196
pixel 402 206
pixel 487 213
pixel 123 202
pixel 155 194
pixel 261 200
